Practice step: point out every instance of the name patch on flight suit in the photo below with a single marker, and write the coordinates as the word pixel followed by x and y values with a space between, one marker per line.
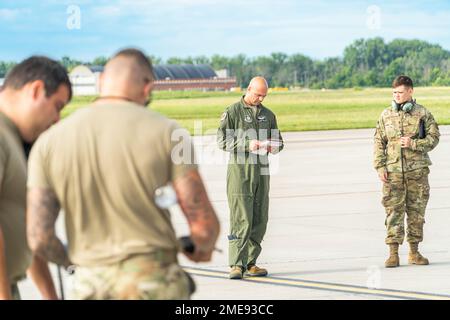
pixel 262 118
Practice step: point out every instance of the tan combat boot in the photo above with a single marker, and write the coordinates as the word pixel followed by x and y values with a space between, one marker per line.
pixel 255 271
pixel 415 257
pixel 236 272
pixel 393 260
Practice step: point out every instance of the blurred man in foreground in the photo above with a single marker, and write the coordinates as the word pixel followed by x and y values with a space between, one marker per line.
pixel 34 93
pixel 102 165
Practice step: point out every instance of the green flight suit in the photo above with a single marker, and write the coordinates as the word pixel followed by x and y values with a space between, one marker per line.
pixel 247 178
pixel 407 190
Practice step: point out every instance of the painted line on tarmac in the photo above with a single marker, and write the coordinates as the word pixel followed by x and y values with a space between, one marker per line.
pixel 330 194
pixel 327 286
pixel 325 139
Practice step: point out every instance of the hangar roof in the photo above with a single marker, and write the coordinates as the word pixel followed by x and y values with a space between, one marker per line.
pixel 162 72
pixel 183 71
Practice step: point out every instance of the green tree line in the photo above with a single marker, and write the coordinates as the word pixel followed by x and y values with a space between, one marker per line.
pixel 364 63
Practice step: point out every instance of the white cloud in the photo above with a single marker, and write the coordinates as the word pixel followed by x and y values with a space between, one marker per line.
pixel 108 11
pixel 159 3
pixel 9 14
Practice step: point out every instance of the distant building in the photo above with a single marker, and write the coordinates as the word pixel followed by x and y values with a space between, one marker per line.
pixel 223 73
pixel 168 77
pixel 84 80
pixel 190 77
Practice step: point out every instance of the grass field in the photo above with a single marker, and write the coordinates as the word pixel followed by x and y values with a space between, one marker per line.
pixel 295 110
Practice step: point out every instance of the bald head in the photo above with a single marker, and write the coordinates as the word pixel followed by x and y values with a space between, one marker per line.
pixel 129 74
pixel 258 83
pixel 256 91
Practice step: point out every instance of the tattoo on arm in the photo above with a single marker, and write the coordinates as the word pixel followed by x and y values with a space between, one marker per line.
pixel 42 212
pixel 196 206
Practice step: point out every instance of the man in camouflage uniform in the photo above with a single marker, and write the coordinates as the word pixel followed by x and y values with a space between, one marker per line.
pixel 244 129
pixel 404 135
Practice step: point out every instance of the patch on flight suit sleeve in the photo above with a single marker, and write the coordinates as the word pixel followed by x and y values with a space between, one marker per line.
pixel 223 117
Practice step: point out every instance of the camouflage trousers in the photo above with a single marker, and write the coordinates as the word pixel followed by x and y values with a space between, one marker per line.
pixel 15 292
pixel 406 193
pixel 137 278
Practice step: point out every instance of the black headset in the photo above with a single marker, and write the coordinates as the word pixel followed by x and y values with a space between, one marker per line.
pixel 406 107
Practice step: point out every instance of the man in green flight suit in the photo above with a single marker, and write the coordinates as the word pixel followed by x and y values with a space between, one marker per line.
pixel 249 131
pixel 405 133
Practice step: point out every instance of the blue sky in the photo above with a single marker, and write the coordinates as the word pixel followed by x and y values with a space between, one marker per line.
pixel 167 28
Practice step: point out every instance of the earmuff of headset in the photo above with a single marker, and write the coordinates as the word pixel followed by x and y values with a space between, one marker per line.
pixel 406 107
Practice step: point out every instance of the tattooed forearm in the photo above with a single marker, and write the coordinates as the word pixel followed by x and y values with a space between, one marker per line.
pixel 42 212
pixel 55 252
pixel 192 197
pixel 196 206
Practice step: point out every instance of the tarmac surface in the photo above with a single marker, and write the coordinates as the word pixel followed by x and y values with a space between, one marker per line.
pixel 325 237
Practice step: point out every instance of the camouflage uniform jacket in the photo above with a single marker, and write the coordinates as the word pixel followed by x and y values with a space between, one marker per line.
pixel 392 125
